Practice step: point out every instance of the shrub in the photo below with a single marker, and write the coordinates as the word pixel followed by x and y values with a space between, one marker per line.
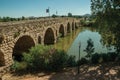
pixel 104 57
pixel 83 61
pixel 118 57
pixel 58 60
pixel 112 56
pixel 18 66
pixel 71 62
pixel 37 56
pixel 45 58
pixel 95 58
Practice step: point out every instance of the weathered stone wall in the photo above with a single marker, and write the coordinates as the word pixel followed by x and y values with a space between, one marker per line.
pixel 11 32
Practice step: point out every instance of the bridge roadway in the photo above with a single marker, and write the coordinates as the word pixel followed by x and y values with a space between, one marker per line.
pixel 20 36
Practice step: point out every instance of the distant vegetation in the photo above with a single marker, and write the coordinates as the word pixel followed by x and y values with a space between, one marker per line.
pixel 7 19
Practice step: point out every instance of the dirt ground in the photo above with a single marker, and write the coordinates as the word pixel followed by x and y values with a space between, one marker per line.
pixel 105 71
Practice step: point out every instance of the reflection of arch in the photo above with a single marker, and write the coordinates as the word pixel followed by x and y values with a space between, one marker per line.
pixel 49 37
pixel 61 30
pixel 68 28
pixel 73 27
pixel 23 44
pixel 2 60
pixel 39 40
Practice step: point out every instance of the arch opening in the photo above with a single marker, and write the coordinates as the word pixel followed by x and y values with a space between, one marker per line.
pixel 73 27
pixel 76 25
pixel 68 28
pixel 22 45
pixel 49 37
pixel 2 60
pixel 61 31
pixel 39 40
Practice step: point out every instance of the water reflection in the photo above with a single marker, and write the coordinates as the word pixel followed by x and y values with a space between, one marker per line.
pixel 65 42
pixel 82 38
pixel 70 43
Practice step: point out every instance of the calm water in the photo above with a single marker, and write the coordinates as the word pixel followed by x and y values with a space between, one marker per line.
pixel 70 43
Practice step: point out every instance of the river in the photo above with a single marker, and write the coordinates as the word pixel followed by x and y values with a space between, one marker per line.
pixel 71 42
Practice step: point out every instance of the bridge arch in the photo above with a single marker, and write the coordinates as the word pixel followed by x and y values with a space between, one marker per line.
pixel 2 60
pixel 49 37
pixel 76 25
pixel 23 44
pixel 61 30
pixel 73 26
pixel 68 28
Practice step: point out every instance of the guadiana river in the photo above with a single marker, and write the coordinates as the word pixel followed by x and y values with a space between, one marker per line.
pixel 71 42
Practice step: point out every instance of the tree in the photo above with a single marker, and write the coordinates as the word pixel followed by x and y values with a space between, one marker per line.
pixel 69 14
pixel 107 14
pixel 23 18
pixel 90 48
pixel 54 15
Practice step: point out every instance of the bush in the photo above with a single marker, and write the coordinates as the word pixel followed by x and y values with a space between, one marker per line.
pixel 105 57
pixel 58 60
pixel 95 58
pixel 45 58
pixel 37 56
pixel 83 61
pixel 118 57
pixel 112 56
pixel 18 66
pixel 71 62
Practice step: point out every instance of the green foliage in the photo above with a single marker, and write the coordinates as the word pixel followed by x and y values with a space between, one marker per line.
pixel 103 57
pixel 90 48
pixel 71 62
pixel 112 56
pixel 83 61
pixel 69 14
pixel 53 16
pixel 107 13
pixel 23 18
pixel 18 66
pixel 37 56
pixel 118 58
pixel 58 60
pixel 45 58
pixel 7 19
pixel 82 22
pixel 95 58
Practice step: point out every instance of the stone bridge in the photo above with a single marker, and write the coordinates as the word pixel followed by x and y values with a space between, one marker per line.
pixel 18 37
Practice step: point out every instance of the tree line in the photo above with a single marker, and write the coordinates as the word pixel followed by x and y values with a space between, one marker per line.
pixel 7 19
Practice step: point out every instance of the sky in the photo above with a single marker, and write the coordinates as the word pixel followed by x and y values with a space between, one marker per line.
pixel 37 8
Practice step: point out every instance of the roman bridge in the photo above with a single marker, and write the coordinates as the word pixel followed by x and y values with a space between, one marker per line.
pixel 18 37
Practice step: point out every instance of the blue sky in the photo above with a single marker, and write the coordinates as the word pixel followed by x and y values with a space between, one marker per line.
pixel 18 8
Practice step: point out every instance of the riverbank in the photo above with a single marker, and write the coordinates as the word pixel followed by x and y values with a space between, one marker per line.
pixel 104 71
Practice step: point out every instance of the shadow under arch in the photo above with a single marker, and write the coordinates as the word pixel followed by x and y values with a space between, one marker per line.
pixel 68 28
pixel 76 25
pixel 2 60
pixel 49 37
pixel 39 39
pixel 73 26
pixel 22 45
pixel 61 31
